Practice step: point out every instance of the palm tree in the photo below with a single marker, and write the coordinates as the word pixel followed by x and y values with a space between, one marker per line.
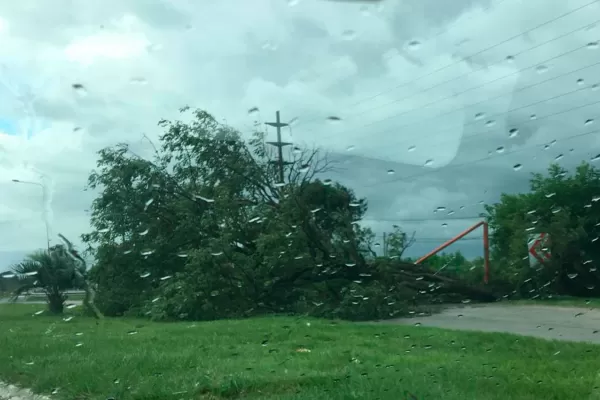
pixel 50 270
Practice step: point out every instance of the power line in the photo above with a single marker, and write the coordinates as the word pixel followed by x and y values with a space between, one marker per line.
pixel 439 33
pixel 422 219
pixel 452 96
pixel 531 121
pixel 487 158
pixel 412 81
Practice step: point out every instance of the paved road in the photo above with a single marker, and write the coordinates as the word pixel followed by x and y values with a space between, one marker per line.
pixel 549 322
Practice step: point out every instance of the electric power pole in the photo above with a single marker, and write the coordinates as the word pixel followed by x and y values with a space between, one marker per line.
pixel 279 144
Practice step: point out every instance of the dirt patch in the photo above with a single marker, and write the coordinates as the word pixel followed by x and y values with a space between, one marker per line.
pixel 12 392
pixel 548 322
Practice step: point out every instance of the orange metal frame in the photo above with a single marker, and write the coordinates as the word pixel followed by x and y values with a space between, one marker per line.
pixel 486 247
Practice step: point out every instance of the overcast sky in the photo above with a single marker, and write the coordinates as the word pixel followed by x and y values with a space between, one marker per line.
pixel 438 101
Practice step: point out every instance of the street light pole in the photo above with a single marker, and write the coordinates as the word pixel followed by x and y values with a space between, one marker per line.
pixel 45 219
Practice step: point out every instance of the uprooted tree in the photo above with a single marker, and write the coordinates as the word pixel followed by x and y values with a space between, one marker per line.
pixel 204 229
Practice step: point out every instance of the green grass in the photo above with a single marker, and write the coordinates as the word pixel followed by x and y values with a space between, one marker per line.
pixel 259 359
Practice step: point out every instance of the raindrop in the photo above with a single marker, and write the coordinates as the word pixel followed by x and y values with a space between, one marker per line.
pixel 164 278
pixel 490 123
pixel 540 69
pixel 444 225
pixel 517 167
pixel 145 232
pixel 533 116
pixel 349 34
pixel 596 158
pixel 204 199
pixel 147 204
pixel 479 116
pixel 80 90
pixel 214 293
pixel 595 87
pixel 253 110
pixel 304 168
pixel 138 81
pixel 580 81
pixel 412 148
pixel 350 148
pixel 333 119
pixel 510 58
pixel 514 132
pixel 572 276
pixel 218 253
pixel 103 230
pixel 414 45
pixel 558 157
pixel 428 163
pixel 147 252
pixel 391 172
pixel 354 204
pixel 588 122
pixel 500 150
pixel 592 45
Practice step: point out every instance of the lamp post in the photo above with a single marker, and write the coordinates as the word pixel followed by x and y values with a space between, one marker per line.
pixel 43 192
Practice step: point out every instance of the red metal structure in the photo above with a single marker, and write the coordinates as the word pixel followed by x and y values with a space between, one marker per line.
pixel 486 247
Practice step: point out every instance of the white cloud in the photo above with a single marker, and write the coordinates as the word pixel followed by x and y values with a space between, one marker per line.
pixel 400 102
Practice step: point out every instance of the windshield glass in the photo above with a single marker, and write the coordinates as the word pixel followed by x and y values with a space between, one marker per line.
pixel 299 199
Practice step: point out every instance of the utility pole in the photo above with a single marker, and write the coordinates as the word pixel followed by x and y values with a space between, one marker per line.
pixel 279 144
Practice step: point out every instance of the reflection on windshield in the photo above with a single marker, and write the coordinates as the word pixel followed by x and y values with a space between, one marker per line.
pixel 299 200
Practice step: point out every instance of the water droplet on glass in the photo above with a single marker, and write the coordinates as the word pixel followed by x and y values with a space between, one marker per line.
pixel 145 275
pixel 204 199
pixel 304 168
pixel 428 163
pixel 540 69
pixel 333 119
pixel 144 232
pixel 596 158
pixel 572 276
pixel 500 150
pixel 592 45
pixel 444 225
pixel 595 87
pixel 580 81
pixel 147 252
pixel 510 58
pixel 391 172
pixel 517 167
pixel 253 110
pixel 479 116
pixel 412 148
pixel 414 45
pixel 79 89
pixel 138 81
pixel 214 293
pixel 164 278
pixel 588 121
pixel 349 34
pixel 490 123
pixel 558 157
pixel 350 148
pixel 514 132
pixel 218 253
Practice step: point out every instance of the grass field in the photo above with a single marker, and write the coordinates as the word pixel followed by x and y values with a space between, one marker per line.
pixel 283 358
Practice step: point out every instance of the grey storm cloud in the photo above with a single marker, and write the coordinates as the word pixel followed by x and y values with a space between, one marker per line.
pixel 436 102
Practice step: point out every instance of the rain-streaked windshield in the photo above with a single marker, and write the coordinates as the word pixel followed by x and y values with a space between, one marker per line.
pixel 299 199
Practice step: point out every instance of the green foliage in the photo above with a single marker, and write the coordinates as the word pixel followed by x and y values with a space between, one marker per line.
pixel 50 270
pixel 204 231
pixel 564 206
